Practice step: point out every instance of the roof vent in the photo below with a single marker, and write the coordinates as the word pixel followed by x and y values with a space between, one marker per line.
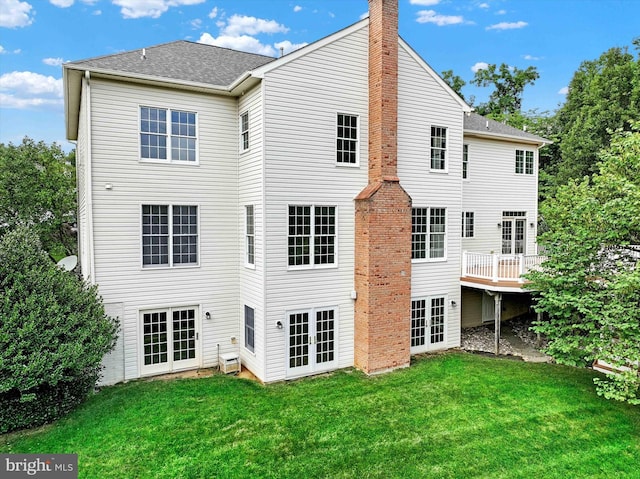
pixel 144 54
pixel 487 124
pixel 281 51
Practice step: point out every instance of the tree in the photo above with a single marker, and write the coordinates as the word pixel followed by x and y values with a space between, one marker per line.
pixel 454 81
pixel 53 334
pixel 37 187
pixel 590 284
pixel 508 83
pixel 604 96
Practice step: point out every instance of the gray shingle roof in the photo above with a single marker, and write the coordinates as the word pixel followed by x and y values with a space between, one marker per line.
pixel 180 60
pixel 480 124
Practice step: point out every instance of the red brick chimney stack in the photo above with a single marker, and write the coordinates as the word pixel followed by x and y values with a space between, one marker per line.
pixel 383 214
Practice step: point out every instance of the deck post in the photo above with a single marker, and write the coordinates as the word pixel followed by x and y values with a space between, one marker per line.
pixel 522 268
pixel 495 267
pixel 497 317
pixel 464 263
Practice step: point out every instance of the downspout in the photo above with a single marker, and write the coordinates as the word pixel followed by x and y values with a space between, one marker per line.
pixel 89 177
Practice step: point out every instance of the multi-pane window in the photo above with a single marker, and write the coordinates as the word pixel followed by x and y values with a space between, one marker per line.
pixel 244 131
pixel 347 139
pixel 438 147
pixel 311 235
pixel 163 233
pixel 249 329
pixel 465 162
pixel 167 134
pixel 249 219
pixel 428 228
pixel 468 225
pixel 169 337
pixel 427 321
pixel 524 162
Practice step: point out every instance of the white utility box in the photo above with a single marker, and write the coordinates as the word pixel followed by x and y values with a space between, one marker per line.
pixel 229 363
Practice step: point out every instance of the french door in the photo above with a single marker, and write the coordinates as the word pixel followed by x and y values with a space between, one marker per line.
pixel 169 340
pixel 311 341
pixel 513 235
pixel 428 322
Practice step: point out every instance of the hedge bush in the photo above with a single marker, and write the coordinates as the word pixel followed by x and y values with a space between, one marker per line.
pixel 53 335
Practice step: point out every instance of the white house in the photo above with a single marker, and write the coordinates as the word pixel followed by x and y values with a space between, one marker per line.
pixel 222 196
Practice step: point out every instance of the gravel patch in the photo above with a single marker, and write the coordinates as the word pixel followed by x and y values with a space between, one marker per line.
pixel 482 338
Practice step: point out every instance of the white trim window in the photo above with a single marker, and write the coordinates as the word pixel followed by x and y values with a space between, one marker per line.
pixel 465 162
pixel 428 323
pixel 249 329
pixel 468 224
pixel 169 339
pixel 438 148
pixel 524 162
pixel 311 236
pixel 347 139
pixel 168 135
pixel 428 233
pixel 169 239
pixel 244 131
pixel 312 340
pixel 250 236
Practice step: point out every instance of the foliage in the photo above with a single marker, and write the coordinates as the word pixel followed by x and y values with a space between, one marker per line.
pixel 590 284
pixel 431 420
pixel 604 96
pixel 53 334
pixel 37 188
pixel 508 83
pixel 454 81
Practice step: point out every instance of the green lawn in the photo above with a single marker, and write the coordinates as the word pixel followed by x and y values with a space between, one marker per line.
pixel 453 415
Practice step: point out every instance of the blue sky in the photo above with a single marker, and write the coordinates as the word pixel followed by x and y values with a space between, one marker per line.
pixel 37 36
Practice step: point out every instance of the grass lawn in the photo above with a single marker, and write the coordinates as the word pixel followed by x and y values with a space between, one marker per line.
pixel 453 415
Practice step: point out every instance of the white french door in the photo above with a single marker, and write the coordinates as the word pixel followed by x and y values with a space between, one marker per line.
pixel 169 340
pixel 311 341
pixel 428 323
pixel 513 235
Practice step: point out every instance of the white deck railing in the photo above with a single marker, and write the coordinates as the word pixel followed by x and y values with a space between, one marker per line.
pixel 498 267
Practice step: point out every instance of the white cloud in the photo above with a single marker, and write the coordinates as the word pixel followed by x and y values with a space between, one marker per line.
pixel 501 12
pixel 2 50
pixel 424 3
pixel 241 24
pixel 61 3
pixel 213 13
pixel 196 24
pixel 243 43
pixel 484 5
pixel 479 66
pixel 563 90
pixel 53 62
pixel 97 12
pixel 288 46
pixel 430 16
pixel 507 25
pixel 149 8
pixel 14 13
pixel 531 57
pixel 297 8
pixel 20 90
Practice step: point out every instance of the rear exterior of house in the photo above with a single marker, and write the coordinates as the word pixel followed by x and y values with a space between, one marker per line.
pixel 217 213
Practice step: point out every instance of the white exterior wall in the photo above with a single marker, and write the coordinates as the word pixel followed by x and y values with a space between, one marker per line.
pixel 492 187
pixel 212 186
pixel 423 103
pixel 302 100
pixel 82 181
pixel 251 192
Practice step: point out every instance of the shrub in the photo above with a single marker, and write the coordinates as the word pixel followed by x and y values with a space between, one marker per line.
pixel 53 335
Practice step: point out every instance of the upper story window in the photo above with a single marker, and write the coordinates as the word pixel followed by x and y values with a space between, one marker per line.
pixel 168 135
pixel 468 226
pixel 169 235
pixel 428 238
pixel 244 131
pixel 465 162
pixel 312 235
pixel 250 254
pixel 524 162
pixel 347 140
pixel 438 148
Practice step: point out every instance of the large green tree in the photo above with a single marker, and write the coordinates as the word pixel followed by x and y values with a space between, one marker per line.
pixel 38 188
pixel 603 96
pixel 589 287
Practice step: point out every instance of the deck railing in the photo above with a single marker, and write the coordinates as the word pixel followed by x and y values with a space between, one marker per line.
pixel 498 267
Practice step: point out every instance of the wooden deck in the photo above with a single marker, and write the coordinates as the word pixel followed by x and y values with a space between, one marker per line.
pixel 497 272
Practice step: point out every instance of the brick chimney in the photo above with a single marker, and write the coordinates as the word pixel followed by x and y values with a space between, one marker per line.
pixel 383 214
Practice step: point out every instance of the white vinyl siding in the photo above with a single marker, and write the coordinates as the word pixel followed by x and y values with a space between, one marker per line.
pixel 213 286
